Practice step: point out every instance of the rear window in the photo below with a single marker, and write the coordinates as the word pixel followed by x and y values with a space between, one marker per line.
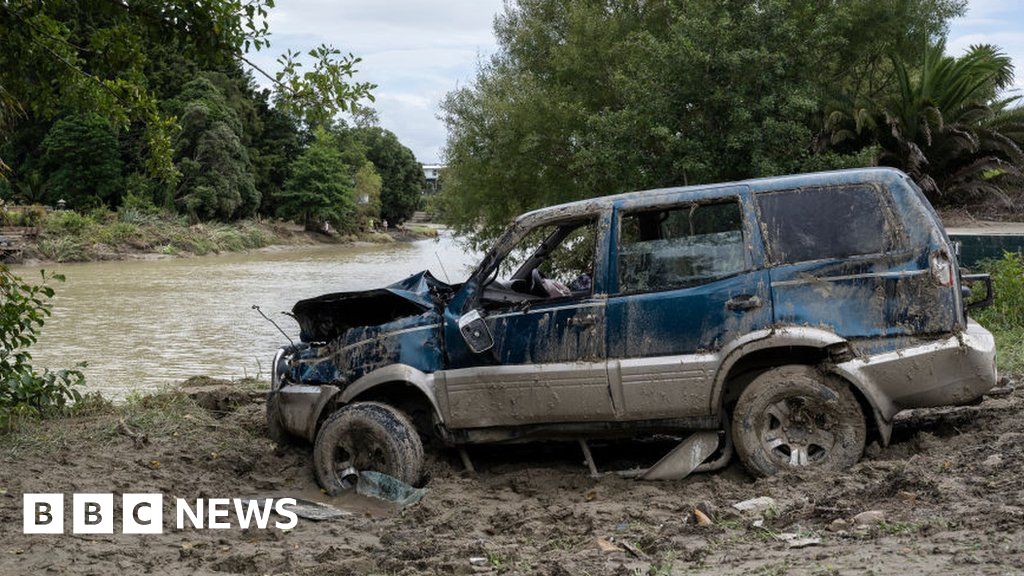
pixel 819 223
pixel 680 247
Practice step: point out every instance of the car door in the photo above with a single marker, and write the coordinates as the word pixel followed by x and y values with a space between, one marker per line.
pixel 547 363
pixel 839 261
pixel 688 278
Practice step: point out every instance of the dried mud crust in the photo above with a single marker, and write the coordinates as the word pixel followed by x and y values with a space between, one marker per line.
pixel 949 488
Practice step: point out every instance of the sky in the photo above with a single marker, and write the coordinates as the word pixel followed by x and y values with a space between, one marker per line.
pixel 417 51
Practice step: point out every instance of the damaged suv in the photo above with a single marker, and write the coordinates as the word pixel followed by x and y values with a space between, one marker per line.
pixel 785 319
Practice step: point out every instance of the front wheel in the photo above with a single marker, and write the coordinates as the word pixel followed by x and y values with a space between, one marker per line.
pixel 797 417
pixel 367 436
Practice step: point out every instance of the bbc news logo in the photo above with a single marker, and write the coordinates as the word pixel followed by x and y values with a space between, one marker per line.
pixel 144 513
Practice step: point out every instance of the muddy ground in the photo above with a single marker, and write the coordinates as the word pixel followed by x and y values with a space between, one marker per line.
pixel 950 491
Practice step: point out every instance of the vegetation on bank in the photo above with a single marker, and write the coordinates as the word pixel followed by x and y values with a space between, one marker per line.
pixel 1005 318
pixel 25 392
pixel 101 234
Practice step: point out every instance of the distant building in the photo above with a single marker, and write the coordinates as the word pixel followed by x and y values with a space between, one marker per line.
pixel 432 172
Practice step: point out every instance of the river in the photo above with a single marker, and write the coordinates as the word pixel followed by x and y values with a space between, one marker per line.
pixel 141 324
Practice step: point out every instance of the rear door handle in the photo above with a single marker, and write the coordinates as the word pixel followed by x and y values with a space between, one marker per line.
pixel 744 302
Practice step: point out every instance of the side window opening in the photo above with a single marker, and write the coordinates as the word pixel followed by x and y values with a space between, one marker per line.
pixel 679 247
pixel 551 261
pixel 824 222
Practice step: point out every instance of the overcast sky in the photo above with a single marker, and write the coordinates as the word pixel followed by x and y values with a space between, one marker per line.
pixel 416 51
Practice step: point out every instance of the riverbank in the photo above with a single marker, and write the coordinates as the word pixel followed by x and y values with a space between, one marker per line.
pixel 100 235
pixel 944 497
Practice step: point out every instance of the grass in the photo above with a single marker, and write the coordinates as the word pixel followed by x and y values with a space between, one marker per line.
pixel 95 420
pixel 1005 317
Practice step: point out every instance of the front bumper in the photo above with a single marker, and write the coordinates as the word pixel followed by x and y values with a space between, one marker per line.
pixel 946 372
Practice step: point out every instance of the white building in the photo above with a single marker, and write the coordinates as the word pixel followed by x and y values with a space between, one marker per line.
pixel 432 172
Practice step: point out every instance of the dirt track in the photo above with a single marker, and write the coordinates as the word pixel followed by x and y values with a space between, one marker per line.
pixel 950 488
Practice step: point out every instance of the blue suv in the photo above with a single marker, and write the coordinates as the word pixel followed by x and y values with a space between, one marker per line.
pixel 790 318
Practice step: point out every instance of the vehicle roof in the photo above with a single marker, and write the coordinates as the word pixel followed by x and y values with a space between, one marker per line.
pixel 684 193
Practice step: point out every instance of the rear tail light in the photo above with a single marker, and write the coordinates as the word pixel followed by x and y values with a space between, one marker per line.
pixel 942 269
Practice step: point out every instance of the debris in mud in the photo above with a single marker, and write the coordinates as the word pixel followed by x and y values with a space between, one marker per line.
pixel 607 547
pixel 306 509
pixel 796 540
pixel 137 438
pixel 388 488
pixel 755 506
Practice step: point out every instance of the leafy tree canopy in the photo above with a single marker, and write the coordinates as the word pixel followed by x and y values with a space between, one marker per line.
pixel 83 162
pixel 401 175
pixel 588 98
pixel 320 188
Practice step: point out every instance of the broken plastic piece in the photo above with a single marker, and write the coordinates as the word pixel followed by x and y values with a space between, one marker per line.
pixel 388 488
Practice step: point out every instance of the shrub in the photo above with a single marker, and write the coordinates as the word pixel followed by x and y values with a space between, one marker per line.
pixel 25 392
pixel 1005 317
pixel 67 222
pixel 118 233
pixel 62 249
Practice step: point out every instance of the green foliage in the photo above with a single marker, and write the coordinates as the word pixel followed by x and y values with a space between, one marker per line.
pixel 81 156
pixel 1005 317
pixel 24 391
pixel 316 96
pixel 367 193
pixel 585 99
pixel 67 222
pixel 944 124
pixel 402 180
pixel 320 187
pixel 217 176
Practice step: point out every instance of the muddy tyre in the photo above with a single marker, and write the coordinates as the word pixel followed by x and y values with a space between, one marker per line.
pixel 275 426
pixel 796 417
pixel 367 436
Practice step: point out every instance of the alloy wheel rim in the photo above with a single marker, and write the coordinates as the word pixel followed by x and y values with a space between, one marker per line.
pixel 798 431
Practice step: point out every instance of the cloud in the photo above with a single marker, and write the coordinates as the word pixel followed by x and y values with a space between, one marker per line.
pixel 415 51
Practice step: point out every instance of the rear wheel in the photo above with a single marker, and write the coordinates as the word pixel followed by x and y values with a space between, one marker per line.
pixel 367 436
pixel 797 417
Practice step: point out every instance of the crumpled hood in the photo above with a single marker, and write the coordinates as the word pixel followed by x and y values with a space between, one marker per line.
pixel 326 317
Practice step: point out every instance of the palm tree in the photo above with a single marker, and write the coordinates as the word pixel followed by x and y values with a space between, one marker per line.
pixel 944 125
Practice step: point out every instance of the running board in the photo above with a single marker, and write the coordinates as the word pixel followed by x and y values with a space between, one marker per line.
pixel 688 456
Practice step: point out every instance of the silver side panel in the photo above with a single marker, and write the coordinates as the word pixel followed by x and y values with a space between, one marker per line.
pixel 527 394
pixel 663 387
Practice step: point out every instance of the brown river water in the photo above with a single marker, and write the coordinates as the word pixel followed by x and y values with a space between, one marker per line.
pixel 146 323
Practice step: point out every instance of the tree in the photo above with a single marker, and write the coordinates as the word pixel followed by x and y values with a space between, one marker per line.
pixel 368 185
pixel 401 175
pixel 586 98
pixel 944 124
pixel 69 57
pixel 217 175
pixel 320 188
pixel 82 159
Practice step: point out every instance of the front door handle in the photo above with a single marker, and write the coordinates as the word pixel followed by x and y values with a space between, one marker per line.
pixel 744 302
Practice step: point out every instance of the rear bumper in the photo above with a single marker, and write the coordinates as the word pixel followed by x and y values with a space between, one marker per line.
pixel 952 371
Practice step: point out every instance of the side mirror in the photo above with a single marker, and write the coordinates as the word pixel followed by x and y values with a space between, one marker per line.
pixel 475 332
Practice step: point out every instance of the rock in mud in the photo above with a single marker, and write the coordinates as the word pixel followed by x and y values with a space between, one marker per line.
pixel 869 518
pixel 755 506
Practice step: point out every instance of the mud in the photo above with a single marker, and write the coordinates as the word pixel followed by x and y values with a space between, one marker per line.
pixel 948 492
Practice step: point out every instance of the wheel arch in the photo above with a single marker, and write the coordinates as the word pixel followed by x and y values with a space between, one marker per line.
pixel 751 355
pixel 398 385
